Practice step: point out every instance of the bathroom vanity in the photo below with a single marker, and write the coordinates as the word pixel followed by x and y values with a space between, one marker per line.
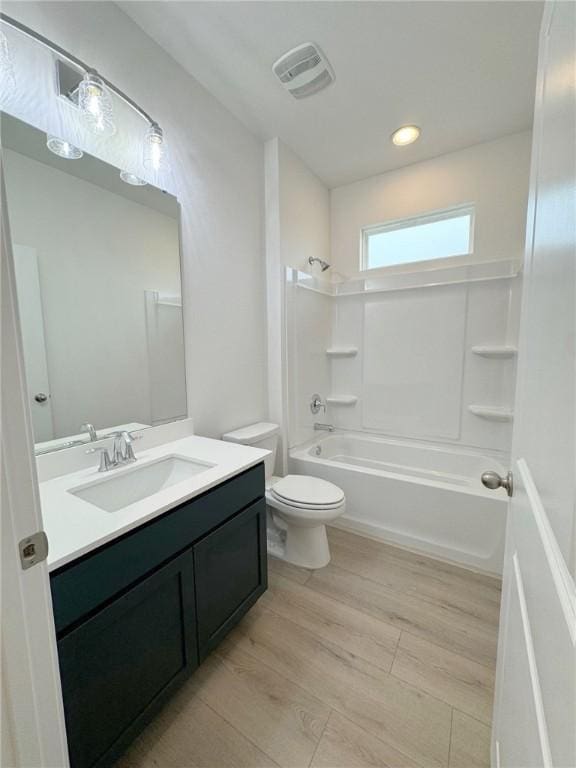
pixel 137 614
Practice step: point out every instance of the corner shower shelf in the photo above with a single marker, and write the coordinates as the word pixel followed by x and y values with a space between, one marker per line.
pixel 342 351
pixel 492 412
pixel 342 400
pixel 494 350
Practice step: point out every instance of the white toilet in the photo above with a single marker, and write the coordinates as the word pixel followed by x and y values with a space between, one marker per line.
pixel 299 505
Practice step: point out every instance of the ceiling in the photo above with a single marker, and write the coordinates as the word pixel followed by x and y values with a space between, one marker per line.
pixel 463 71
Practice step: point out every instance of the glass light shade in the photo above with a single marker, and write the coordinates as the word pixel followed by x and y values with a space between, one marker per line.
pixel 7 77
pixel 63 148
pixel 95 103
pixel 131 178
pixel 154 147
pixel 407 134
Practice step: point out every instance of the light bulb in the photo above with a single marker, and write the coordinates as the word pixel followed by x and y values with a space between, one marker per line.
pixel 407 134
pixel 154 147
pixel 96 105
pixel 131 178
pixel 7 78
pixel 63 148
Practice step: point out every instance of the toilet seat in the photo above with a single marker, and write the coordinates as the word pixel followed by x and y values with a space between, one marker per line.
pixel 304 492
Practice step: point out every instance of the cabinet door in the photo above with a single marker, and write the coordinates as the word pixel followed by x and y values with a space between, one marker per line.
pixel 230 570
pixel 119 666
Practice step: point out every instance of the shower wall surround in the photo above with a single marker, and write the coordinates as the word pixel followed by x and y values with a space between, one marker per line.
pixel 427 350
pixel 409 355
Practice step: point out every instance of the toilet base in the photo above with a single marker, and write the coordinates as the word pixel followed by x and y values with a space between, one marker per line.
pixel 306 547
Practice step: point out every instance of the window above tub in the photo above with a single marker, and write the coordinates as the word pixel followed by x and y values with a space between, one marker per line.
pixel 425 238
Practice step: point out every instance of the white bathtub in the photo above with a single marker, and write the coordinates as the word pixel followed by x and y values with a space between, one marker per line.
pixel 427 498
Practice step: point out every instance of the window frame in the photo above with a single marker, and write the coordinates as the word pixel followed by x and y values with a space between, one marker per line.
pixel 405 223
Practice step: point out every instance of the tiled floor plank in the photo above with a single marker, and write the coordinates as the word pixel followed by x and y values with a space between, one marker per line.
pixel 470 744
pixel 357 632
pixel 188 733
pixel 345 745
pixel 454 679
pixel 279 717
pixel 288 571
pixel 444 584
pixel 448 627
pixel 407 719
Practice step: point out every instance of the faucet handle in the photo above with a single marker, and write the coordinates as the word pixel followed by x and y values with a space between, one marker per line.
pixel 128 450
pixel 123 452
pixel 106 462
pixel 316 404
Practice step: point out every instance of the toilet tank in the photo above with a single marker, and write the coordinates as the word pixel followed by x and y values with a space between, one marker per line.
pixel 262 435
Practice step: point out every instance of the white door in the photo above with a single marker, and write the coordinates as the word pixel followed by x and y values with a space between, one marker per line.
pixel 32 718
pixel 33 340
pixel 535 708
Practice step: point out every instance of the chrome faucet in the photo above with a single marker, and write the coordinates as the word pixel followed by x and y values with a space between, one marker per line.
pixel 324 427
pixel 91 431
pixel 122 452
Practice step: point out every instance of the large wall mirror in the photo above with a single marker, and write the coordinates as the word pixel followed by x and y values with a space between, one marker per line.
pixel 97 265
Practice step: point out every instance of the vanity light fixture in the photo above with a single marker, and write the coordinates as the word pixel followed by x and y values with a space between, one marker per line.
pixel 63 148
pixel 131 178
pixel 7 79
pixel 406 134
pixel 91 94
pixel 154 147
pixel 96 105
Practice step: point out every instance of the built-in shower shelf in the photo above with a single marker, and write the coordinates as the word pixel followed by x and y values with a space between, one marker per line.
pixel 492 412
pixel 494 350
pixel 342 400
pixel 342 351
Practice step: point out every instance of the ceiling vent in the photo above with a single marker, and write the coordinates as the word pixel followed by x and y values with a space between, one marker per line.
pixel 304 70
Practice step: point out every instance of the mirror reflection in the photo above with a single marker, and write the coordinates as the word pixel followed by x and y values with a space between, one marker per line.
pixel 99 292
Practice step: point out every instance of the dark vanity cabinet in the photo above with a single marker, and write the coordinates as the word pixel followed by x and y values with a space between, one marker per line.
pixel 136 617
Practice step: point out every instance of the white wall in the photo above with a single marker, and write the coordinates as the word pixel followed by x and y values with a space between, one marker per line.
pixel 493 176
pixel 304 212
pixel 217 175
pixel 297 228
pixel 97 254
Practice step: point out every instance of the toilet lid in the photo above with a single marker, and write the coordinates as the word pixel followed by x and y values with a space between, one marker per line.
pixel 307 491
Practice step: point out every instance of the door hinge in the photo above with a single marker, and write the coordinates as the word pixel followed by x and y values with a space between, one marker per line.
pixel 33 549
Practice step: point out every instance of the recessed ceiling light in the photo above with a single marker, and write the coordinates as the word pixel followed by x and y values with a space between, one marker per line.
pixel 407 134
pixel 63 148
pixel 131 178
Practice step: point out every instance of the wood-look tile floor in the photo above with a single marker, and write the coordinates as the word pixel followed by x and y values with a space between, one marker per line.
pixel 383 658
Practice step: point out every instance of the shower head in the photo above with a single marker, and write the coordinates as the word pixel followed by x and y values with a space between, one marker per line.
pixel 323 264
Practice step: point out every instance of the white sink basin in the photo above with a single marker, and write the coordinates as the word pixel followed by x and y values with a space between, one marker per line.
pixel 116 491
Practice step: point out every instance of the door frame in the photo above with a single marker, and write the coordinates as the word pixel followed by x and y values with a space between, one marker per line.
pixel 33 728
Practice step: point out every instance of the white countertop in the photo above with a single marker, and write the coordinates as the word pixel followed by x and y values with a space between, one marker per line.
pixel 75 527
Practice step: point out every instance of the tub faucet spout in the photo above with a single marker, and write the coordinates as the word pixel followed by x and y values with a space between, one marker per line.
pixel 324 427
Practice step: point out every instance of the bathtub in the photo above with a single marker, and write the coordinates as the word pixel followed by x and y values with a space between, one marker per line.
pixel 423 497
